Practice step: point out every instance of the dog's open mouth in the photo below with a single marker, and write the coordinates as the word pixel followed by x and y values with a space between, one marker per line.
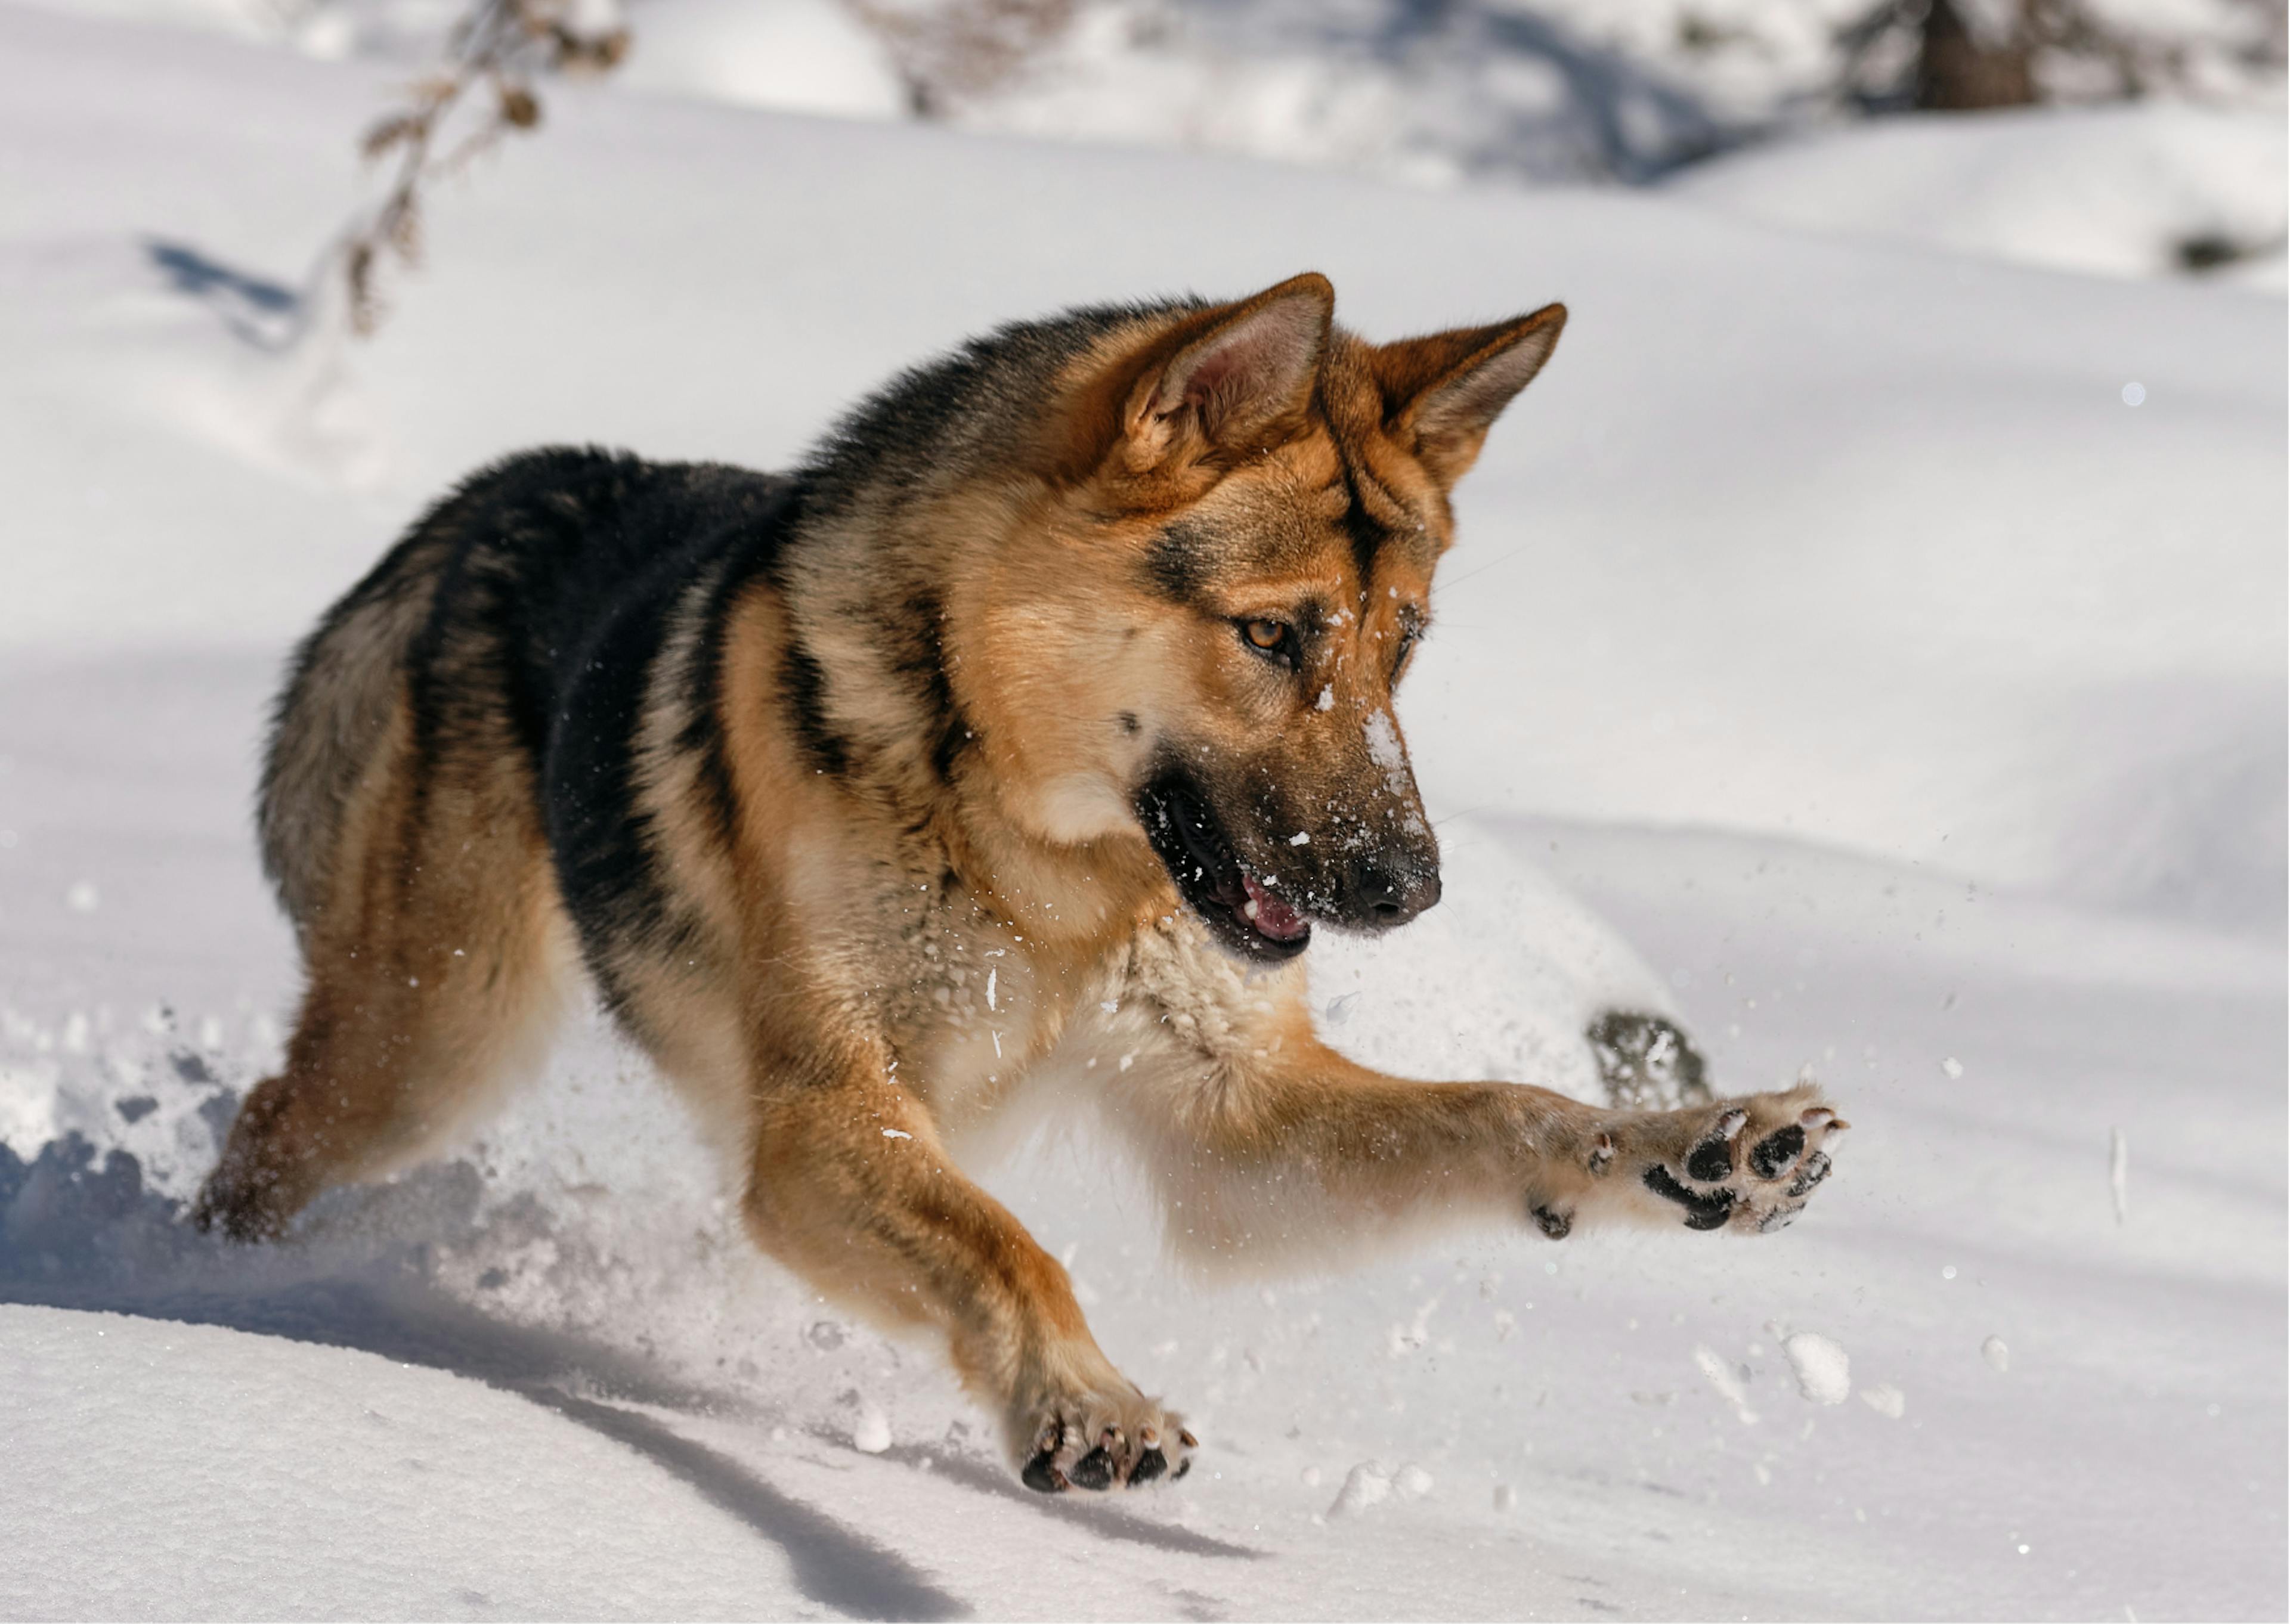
pixel 1240 907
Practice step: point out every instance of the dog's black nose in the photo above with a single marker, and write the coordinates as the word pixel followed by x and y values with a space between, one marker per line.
pixel 1383 898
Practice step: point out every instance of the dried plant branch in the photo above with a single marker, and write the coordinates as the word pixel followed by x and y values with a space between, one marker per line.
pixel 493 58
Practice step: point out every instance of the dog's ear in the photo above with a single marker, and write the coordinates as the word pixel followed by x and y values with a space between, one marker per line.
pixel 1237 381
pixel 1442 393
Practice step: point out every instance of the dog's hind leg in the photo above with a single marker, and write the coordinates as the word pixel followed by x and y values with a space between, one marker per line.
pixel 1646 1063
pixel 436 968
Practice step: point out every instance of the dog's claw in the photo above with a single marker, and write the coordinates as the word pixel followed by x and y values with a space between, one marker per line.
pixel 1556 1224
pixel 1077 1451
pixel 1602 1154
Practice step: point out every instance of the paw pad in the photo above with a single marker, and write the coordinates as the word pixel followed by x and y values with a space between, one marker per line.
pixel 1704 1209
pixel 1767 1186
pixel 1778 1154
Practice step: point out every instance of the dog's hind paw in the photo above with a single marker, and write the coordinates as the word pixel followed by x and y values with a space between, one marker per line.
pixel 1749 1163
pixel 1646 1062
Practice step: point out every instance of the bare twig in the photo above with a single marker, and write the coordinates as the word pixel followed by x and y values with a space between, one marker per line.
pixel 492 59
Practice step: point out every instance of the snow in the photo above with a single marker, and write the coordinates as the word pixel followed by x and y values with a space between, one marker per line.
pixel 1366 1485
pixel 2117 191
pixel 1725 1381
pixel 801 56
pixel 1832 660
pixel 164 1470
pixel 1887 1400
pixel 871 1431
pixel 1823 1371
pixel 1383 744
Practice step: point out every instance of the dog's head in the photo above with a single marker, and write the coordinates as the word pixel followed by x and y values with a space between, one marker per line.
pixel 1198 632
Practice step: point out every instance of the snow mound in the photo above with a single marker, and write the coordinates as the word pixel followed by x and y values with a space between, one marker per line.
pixel 800 56
pixel 1365 1487
pixel 2146 190
pixel 1532 965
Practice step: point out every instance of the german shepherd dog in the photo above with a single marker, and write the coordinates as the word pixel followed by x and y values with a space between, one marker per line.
pixel 1025 731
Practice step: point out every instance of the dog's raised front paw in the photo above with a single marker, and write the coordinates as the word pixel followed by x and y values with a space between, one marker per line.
pixel 1746 1164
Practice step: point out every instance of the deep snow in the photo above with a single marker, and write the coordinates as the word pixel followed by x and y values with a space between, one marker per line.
pixel 2130 190
pixel 1831 653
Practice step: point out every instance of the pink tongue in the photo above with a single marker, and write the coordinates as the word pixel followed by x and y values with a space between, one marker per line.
pixel 1272 917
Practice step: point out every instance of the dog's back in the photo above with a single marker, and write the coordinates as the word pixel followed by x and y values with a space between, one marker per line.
pixel 510 631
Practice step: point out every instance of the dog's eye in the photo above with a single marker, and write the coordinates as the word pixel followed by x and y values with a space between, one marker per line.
pixel 1273 639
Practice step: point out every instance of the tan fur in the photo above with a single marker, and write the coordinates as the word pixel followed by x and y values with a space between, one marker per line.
pixel 879 960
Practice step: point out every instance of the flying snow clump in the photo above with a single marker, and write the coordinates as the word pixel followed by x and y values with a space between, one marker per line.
pixel 1824 1373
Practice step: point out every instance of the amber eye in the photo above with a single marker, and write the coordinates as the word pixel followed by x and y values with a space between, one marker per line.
pixel 1266 635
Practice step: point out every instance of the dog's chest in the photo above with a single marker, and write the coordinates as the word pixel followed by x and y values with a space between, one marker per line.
pixel 965 1004
pixel 976 1011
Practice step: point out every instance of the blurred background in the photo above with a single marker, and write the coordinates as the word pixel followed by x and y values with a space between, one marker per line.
pixel 2135 137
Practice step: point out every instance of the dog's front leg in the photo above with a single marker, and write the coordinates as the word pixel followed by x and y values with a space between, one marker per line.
pixel 1288 1148
pixel 851 1187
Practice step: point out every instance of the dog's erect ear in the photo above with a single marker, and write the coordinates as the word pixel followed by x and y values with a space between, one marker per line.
pixel 1442 393
pixel 1237 384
